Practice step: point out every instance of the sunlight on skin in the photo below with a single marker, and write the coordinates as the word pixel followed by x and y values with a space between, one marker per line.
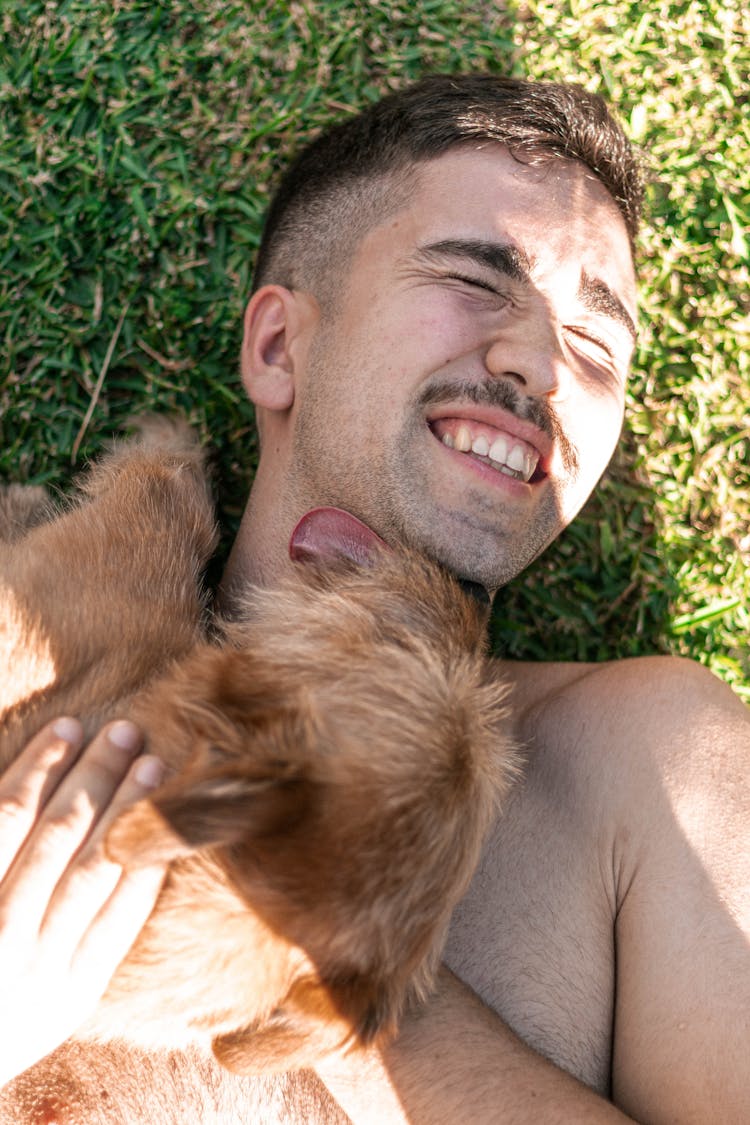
pixel 25 655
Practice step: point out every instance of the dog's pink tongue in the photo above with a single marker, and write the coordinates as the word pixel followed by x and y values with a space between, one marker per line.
pixel 325 535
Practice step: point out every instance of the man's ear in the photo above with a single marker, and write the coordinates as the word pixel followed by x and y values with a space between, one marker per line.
pixel 278 327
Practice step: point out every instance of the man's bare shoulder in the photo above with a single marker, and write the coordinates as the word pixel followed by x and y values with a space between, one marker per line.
pixel 535 683
pixel 623 696
pixel 606 737
pixel 614 888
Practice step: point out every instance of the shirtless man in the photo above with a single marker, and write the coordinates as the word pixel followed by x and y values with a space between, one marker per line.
pixel 428 300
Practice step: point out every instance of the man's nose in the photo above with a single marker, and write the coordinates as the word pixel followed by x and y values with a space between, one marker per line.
pixel 532 356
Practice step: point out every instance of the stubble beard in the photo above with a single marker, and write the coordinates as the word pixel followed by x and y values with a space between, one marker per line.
pixel 395 497
pixel 397 493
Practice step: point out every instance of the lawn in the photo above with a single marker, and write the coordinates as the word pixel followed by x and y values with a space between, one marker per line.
pixel 137 142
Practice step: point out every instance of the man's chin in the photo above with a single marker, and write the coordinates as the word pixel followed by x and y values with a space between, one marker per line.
pixel 467 546
pixel 490 564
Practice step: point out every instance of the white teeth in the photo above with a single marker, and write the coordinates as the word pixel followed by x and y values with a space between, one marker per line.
pixel 462 440
pixel 512 458
pixel 499 450
pixel 515 459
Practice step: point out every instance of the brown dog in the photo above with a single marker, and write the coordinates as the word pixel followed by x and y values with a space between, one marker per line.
pixel 338 753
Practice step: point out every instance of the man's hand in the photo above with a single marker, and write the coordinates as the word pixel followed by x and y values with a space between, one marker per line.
pixel 68 915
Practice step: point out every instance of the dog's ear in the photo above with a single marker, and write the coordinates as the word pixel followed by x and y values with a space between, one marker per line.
pixel 200 812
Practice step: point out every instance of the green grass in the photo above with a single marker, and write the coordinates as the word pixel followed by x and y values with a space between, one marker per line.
pixel 137 141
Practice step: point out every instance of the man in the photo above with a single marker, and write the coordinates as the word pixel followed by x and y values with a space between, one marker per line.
pixel 438 341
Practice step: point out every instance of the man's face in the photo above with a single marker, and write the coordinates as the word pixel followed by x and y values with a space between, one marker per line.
pixel 467 391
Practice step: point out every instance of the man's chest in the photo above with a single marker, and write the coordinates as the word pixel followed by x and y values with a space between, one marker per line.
pixel 534 936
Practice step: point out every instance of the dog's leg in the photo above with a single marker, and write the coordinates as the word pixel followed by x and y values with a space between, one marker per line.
pixel 312 1020
pixel 284 1042
pixel 158 476
pixel 109 591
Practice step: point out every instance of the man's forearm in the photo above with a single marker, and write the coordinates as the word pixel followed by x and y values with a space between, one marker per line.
pixel 456 1061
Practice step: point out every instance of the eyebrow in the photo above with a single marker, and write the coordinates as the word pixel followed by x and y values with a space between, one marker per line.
pixel 499 256
pixel 516 264
pixel 599 298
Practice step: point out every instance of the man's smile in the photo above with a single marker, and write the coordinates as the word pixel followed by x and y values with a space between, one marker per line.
pixel 515 447
pixel 498 448
pixel 515 434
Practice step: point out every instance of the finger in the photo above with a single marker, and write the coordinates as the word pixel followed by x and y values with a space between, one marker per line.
pixel 93 877
pixel 116 926
pixel 65 822
pixel 145 775
pixel 28 783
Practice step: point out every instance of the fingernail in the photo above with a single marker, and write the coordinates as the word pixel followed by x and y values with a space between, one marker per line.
pixel 67 729
pixel 149 772
pixel 124 735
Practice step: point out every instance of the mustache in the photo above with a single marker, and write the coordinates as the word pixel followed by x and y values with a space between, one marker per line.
pixel 504 396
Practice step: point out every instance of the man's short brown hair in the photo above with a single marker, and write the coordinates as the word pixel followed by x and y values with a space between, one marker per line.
pixel 355 173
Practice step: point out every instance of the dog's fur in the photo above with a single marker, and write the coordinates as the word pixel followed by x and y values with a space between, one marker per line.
pixel 338 751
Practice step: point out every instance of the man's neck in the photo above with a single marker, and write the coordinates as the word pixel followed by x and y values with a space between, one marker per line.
pixel 260 552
